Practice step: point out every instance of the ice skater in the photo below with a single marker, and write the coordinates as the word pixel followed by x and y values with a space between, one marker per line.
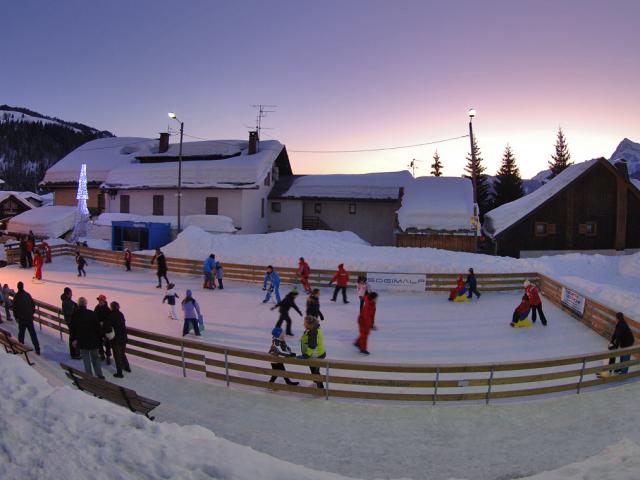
pixel 303 273
pixel 279 348
pixel 161 269
pixel 37 265
pixel 127 260
pixel 271 285
pixel 219 275
pixel 170 297
pixel 81 263
pixel 472 284
pixel 207 270
pixel 47 252
pixel 192 314
pixel 312 344
pixel 366 320
pixel 362 288
pixel 287 303
pixel 341 278
pixel 313 304
pixel 536 304
pixel 459 293
pixel 520 319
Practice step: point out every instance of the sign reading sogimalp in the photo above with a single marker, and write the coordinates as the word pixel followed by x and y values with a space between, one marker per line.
pixel 408 282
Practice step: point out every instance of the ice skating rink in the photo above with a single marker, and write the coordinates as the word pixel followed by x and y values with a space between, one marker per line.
pixel 412 327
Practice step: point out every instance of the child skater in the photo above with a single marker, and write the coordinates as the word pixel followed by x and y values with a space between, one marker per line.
pixel 521 313
pixel 362 287
pixel 170 297
pixel 459 293
pixel 279 348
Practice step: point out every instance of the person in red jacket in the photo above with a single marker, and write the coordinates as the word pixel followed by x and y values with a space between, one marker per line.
pixel 47 252
pixel 534 299
pixel 127 260
pixel 459 290
pixel 342 280
pixel 37 264
pixel 365 321
pixel 303 272
pixel 521 313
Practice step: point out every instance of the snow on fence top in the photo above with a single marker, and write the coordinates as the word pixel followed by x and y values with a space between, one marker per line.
pixel 384 185
pixel 208 223
pixel 101 156
pixel 501 218
pixel 44 221
pixel 437 203
pixel 243 170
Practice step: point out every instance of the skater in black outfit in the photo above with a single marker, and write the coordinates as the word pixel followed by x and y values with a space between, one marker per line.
pixel 23 310
pixel 287 303
pixel 161 271
pixel 81 263
pixel 622 338
pixel 280 348
pixel 472 284
pixel 69 307
pixel 313 304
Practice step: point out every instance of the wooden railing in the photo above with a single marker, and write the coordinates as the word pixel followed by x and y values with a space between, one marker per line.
pixel 430 383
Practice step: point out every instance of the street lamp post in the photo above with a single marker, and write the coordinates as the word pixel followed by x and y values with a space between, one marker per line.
pixel 173 116
pixel 472 113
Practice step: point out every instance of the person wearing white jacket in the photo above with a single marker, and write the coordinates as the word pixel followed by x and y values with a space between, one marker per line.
pixel 170 297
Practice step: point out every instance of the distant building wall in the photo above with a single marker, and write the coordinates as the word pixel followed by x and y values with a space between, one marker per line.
pixel 67 196
pixel 289 216
pixel 255 210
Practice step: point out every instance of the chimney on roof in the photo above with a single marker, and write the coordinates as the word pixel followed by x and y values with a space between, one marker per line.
pixel 621 166
pixel 164 142
pixel 253 142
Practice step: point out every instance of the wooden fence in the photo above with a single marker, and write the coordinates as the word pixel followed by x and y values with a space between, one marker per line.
pixel 371 381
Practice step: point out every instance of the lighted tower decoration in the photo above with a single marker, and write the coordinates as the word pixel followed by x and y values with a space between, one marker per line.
pixel 82 214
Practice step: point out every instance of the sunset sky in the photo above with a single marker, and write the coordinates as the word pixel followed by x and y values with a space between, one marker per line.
pixel 345 74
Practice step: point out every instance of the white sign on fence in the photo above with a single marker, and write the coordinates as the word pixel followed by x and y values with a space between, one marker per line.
pixel 573 300
pixel 405 282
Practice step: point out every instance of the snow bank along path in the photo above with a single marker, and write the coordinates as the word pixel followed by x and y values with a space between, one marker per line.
pixel 52 432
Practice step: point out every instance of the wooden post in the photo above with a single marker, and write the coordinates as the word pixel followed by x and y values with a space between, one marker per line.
pixel 584 361
pixel 435 388
pixel 226 366
pixel 326 383
pixel 60 327
pixel 184 368
pixel 489 389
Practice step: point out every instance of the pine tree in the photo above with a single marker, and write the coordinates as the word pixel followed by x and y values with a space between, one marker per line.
pixel 483 193
pixel 508 184
pixel 562 156
pixel 436 166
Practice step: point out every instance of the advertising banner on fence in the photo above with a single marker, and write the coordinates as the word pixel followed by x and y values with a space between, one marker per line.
pixel 573 300
pixel 399 282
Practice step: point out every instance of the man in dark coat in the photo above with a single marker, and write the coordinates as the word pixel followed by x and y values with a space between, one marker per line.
pixel 86 335
pixel 313 304
pixel 622 338
pixel 23 310
pixel 287 303
pixel 69 307
pixel 119 340
pixel 161 263
pixel 102 313
pixel 472 284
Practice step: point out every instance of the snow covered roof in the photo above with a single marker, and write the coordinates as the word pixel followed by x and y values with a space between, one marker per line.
pixel 101 156
pixel 206 147
pixel 208 223
pixel 242 170
pixel 44 221
pixel 379 186
pixel 22 197
pixel 501 218
pixel 437 203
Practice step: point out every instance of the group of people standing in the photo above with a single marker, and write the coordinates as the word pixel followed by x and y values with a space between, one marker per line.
pixel 34 256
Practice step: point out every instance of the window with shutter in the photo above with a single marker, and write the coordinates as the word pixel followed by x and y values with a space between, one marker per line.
pixel 158 205
pixel 211 206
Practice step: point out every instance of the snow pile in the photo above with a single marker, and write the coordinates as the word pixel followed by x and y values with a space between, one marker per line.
pixel 101 156
pixel 59 432
pixel 501 218
pixel 437 203
pixel 44 221
pixel 208 223
pixel 246 170
pixel 385 185
pixel 629 151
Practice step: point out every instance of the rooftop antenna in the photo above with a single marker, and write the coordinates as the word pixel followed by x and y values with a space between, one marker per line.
pixel 412 166
pixel 263 111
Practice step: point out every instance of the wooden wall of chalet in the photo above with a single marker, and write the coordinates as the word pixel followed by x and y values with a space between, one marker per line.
pixel 633 220
pixel 591 198
pixel 11 207
pixel 456 243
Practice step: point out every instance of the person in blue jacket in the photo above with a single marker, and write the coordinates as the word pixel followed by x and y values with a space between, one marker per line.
pixel 207 270
pixel 472 284
pixel 271 284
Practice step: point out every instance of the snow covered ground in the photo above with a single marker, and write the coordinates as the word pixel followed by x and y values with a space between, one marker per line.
pixel 610 280
pixel 413 327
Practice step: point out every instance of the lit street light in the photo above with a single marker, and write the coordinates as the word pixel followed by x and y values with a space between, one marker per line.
pixel 472 113
pixel 175 117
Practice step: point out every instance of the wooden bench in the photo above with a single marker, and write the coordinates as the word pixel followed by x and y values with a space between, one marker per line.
pixel 11 345
pixel 110 391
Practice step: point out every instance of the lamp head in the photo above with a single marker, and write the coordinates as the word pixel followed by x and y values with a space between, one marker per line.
pixel 472 112
pixel 173 115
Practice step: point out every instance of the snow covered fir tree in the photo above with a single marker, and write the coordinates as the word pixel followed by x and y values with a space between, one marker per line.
pixel 507 186
pixel 561 159
pixel 436 166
